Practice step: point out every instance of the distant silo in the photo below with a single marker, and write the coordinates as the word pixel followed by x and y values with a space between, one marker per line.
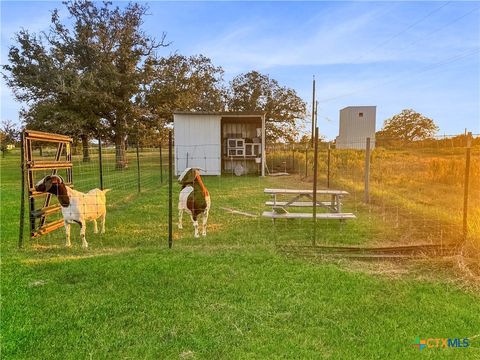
pixel 357 123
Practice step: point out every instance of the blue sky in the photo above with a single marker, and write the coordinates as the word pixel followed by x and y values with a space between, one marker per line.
pixel 395 55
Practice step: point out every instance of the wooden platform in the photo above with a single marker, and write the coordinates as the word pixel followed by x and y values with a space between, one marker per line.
pixel 324 216
pixel 48 227
pixel 46 210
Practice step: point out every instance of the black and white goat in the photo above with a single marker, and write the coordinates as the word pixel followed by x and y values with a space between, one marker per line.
pixel 194 199
pixel 77 207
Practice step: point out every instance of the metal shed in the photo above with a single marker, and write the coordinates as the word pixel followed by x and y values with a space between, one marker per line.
pixel 356 124
pixel 220 142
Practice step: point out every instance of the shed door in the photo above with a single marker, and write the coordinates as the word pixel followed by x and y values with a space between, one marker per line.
pixel 197 143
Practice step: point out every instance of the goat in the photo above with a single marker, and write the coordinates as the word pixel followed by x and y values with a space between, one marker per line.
pixel 77 207
pixel 194 199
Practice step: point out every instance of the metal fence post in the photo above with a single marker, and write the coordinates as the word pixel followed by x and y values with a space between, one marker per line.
pixel 138 167
pixel 466 186
pixel 22 201
pixel 306 161
pixel 273 155
pixel 313 111
pixel 315 176
pixel 170 185
pixel 161 164
pixel 328 166
pixel 100 161
pixel 293 158
pixel 367 171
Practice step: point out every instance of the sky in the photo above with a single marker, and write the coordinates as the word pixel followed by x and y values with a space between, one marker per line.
pixel 393 55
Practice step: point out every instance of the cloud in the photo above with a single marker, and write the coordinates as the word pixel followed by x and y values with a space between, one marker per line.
pixel 344 35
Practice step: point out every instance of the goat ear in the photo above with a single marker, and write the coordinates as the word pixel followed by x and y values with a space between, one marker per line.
pixel 48 183
pixel 57 179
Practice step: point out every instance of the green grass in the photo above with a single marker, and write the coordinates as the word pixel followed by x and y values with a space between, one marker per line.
pixel 230 295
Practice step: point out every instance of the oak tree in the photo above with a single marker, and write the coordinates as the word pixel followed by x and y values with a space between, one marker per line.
pixel 409 125
pixel 254 91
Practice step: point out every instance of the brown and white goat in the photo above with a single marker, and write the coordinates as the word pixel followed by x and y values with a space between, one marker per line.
pixel 77 207
pixel 194 199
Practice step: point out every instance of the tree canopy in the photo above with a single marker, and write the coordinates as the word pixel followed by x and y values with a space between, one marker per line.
pixel 91 72
pixel 254 91
pixel 99 73
pixel 409 125
pixel 9 135
pixel 186 83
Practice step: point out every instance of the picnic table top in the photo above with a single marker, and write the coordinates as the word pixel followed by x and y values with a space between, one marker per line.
pixel 306 192
pixel 324 216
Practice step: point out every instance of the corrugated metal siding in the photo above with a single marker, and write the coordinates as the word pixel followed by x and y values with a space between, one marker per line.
pixel 354 130
pixel 197 143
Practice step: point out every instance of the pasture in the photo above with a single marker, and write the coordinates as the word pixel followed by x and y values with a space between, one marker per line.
pixel 229 295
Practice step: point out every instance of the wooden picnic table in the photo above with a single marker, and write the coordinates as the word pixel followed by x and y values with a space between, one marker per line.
pixel 304 198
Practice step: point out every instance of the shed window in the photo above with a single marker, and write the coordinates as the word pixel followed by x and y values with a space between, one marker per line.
pixel 360 114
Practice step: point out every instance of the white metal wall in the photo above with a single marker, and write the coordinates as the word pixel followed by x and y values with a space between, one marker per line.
pixel 197 142
pixel 354 129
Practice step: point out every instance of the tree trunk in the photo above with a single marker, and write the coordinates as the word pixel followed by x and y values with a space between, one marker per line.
pixel 121 161
pixel 75 147
pixel 86 150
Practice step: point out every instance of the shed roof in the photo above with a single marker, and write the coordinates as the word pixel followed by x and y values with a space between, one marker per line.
pixel 221 113
pixel 359 107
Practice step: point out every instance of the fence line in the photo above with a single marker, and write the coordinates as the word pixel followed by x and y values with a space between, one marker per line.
pixel 411 193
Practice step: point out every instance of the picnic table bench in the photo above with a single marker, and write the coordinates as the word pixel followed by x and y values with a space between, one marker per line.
pixel 304 198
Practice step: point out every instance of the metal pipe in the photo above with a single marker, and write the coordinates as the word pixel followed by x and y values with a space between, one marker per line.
pixel 22 199
pixel 161 164
pixel 367 171
pixel 170 188
pixel 313 110
pixel 328 166
pixel 315 167
pixel 466 186
pixel 100 161
pixel 306 161
pixel 138 168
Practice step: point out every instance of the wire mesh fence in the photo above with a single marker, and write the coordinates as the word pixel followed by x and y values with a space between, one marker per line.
pixel 143 172
pixel 412 193
pixel 416 191
pixel 149 171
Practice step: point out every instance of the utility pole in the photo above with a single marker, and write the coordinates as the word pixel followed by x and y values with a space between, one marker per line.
pixel 313 110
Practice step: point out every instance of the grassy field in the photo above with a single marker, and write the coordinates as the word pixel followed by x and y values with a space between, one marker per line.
pixel 418 190
pixel 230 295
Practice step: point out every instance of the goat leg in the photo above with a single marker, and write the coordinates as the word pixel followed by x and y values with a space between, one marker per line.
pixel 67 233
pixel 204 223
pixel 83 228
pixel 103 222
pixel 195 225
pixel 180 219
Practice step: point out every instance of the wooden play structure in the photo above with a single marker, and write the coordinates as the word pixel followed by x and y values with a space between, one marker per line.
pixel 40 208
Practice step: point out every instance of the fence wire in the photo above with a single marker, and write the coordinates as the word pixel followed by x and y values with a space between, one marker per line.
pixel 416 192
pixel 416 189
